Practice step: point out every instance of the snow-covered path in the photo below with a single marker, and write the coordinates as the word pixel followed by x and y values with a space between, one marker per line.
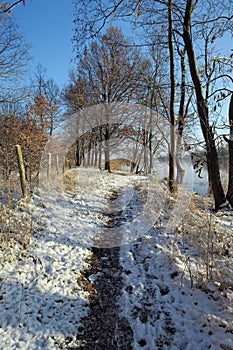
pixel 104 326
pixel 49 291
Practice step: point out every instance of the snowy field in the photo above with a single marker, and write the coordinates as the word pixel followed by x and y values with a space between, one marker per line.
pixel 166 298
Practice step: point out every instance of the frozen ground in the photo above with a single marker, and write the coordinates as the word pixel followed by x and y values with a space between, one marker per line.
pixel 165 297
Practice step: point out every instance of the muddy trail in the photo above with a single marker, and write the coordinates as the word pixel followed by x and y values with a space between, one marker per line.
pixel 104 327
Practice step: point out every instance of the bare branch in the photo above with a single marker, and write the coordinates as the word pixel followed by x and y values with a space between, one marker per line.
pixel 6 8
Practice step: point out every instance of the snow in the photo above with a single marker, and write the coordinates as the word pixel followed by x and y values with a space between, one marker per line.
pixel 167 305
pixel 182 317
pixel 40 299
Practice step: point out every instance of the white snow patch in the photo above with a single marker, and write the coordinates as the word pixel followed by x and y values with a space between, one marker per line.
pixel 163 310
pixel 42 303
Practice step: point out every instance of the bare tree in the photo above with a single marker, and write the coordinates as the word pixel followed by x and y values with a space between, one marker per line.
pixel 230 147
pixel 202 105
pixel 199 25
pixel 146 14
pixel 172 151
pixel 109 72
pixel 46 98
pixel 13 60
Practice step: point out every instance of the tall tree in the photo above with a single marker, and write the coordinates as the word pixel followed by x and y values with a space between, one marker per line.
pixel 144 12
pixel 230 147
pixel 199 24
pixel 13 60
pixel 46 99
pixel 29 135
pixel 202 108
pixel 172 150
pixel 108 72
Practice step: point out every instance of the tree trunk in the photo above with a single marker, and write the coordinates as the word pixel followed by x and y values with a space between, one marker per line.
pixel 150 139
pixel 107 129
pixel 151 155
pixel 100 156
pixel 107 148
pixel 179 152
pixel 212 156
pixel 132 166
pixel 230 146
pixel 78 158
pixel 171 181
pixel 181 121
pixel 89 146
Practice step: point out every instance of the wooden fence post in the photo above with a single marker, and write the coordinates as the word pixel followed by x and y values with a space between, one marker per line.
pixel 49 167
pixel 57 164
pixel 21 171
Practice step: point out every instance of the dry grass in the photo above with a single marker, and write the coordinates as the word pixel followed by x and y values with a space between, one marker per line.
pixel 15 218
pixel 15 227
pixel 69 180
pixel 210 237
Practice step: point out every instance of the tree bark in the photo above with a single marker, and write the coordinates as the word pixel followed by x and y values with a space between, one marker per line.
pixel 172 151
pixel 181 122
pixel 212 156
pixel 107 148
pixel 230 147
pixel 107 135
pixel 78 157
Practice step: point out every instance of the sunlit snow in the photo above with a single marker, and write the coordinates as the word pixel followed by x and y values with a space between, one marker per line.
pixel 42 302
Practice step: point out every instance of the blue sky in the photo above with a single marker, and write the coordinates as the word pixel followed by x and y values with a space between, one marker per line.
pixel 47 25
